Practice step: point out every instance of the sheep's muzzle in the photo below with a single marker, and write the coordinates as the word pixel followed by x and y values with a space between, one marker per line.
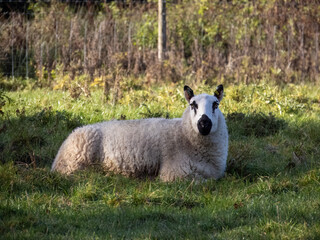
pixel 204 125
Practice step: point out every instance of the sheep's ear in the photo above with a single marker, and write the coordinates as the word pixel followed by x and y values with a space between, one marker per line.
pixel 219 92
pixel 188 93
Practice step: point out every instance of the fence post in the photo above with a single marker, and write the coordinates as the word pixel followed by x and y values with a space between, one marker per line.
pixel 129 46
pixel 85 47
pixel 55 43
pixel 161 29
pixel 316 50
pixel 41 50
pixel 27 38
pixel 12 56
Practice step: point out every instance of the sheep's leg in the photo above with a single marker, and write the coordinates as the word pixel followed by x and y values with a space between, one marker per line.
pixel 182 167
pixel 78 151
pixel 175 167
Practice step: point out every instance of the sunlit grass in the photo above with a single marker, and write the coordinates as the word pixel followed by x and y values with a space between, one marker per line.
pixel 270 190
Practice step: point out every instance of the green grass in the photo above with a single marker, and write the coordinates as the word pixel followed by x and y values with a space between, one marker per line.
pixel 271 189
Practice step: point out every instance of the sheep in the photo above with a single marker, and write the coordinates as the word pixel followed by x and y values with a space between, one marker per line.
pixel 194 146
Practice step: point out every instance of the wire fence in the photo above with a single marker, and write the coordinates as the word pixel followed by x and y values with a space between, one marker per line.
pixel 220 40
pixel 78 41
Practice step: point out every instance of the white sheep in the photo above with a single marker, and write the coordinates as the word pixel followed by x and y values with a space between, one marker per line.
pixel 194 146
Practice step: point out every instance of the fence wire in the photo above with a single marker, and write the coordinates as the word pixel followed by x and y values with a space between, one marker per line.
pixel 205 39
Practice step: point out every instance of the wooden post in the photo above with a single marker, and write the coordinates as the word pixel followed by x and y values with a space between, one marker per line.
pixel 161 29
pixel 129 46
pixel 316 50
pixel 85 65
pixel 27 56
pixel 12 56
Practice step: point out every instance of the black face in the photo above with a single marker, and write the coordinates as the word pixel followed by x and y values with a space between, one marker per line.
pixel 204 125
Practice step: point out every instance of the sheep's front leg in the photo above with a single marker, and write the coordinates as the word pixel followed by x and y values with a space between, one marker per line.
pixel 175 167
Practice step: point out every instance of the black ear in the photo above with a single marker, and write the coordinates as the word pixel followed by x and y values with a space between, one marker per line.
pixel 219 92
pixel 188 93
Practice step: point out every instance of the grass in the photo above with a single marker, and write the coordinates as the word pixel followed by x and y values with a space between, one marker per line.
pixel 271 189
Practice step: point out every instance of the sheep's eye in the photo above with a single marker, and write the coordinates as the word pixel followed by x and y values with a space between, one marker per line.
pixel 194 106
pixel 215 105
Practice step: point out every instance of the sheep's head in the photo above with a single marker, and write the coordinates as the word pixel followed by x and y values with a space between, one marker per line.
pixel 204 110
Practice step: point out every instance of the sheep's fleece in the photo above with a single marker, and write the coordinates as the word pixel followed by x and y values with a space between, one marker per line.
pixel 194 146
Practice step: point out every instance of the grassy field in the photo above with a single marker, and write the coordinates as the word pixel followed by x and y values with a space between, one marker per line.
pixel 271 189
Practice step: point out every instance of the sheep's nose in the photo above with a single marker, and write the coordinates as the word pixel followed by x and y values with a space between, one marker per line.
pixel 204 125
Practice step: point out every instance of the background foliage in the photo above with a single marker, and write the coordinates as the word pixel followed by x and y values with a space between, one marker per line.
pixel 231 41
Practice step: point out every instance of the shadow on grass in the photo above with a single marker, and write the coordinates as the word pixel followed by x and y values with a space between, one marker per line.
pixel 101 222
pixel 247 131
pixel 254 124
pixel 261 144
pixel 117 223
pixel 33 140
